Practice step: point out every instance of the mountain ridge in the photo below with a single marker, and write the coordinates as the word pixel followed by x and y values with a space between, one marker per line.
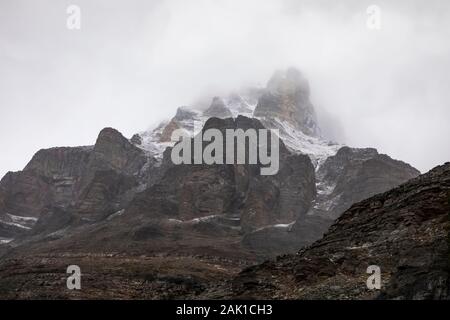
pixel 123 200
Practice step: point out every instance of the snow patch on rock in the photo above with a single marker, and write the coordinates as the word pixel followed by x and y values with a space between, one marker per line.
pixel 5 240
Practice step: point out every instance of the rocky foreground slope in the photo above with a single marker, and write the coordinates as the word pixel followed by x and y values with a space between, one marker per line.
pixel 404 231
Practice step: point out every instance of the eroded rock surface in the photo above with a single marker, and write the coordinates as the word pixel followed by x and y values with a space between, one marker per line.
pixel 404 231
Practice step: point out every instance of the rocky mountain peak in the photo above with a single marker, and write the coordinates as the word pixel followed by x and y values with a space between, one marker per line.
pixel 286 98
pixel 218 109
pixel 113 151
pixel 185 113
pixel 240 106
pixel 108 135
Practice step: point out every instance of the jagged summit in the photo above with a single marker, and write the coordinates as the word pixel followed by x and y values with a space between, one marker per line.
pixel 218 109
pixel 239 105
pixel 286 98
pixel 185 113
pixel 283 104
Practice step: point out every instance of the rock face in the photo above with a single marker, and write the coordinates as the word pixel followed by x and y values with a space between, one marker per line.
pixel 88 182
pixel 49 180
pixel 346 178
pixel 356 174
pixel 237 104
pixel 218 109
pixel 287 99
pixel 112 151
pixel 184 119
pixel 187 192
pixel 404 231
pixel 136 139
pixel 115 168
pixel 166 135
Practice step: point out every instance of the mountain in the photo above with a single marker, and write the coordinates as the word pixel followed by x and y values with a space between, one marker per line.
pixel 64 188
pixel 124 198
pixel 86 183
pixel 286 99
pixel 405 232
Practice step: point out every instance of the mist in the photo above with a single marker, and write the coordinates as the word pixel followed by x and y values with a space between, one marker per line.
pixel 133 63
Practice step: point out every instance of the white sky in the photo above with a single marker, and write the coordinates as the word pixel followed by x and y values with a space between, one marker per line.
pixel 134 62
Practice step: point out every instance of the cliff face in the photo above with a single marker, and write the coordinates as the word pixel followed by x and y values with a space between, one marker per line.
pixel 236 191
pixel 85 182
pixel 116 167
pixel 405 232
pixel 49 180
pixel 349 176
pixel 353 175
pixel 287 98
pixel 218 109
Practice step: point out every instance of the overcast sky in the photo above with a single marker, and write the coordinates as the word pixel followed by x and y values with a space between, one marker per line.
pixel 133 63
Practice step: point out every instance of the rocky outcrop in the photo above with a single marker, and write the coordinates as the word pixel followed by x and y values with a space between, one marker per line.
pixel 237 105
pixel 184 119
pixel 105 194
pixel 217 109
pixel 353 175
pixel 348 177
pixel 405 232
pixel 89 182
pixel 166 134
pixel 195 191
pixel 113 151
pixel 115 168
pixel 50 179
pixel 24 193
pixel 136 139
pixel 281 199
pixel 287 98
pixel 185 114
pixel 56 162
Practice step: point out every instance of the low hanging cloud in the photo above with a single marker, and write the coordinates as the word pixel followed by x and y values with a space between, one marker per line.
pixel 132 63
